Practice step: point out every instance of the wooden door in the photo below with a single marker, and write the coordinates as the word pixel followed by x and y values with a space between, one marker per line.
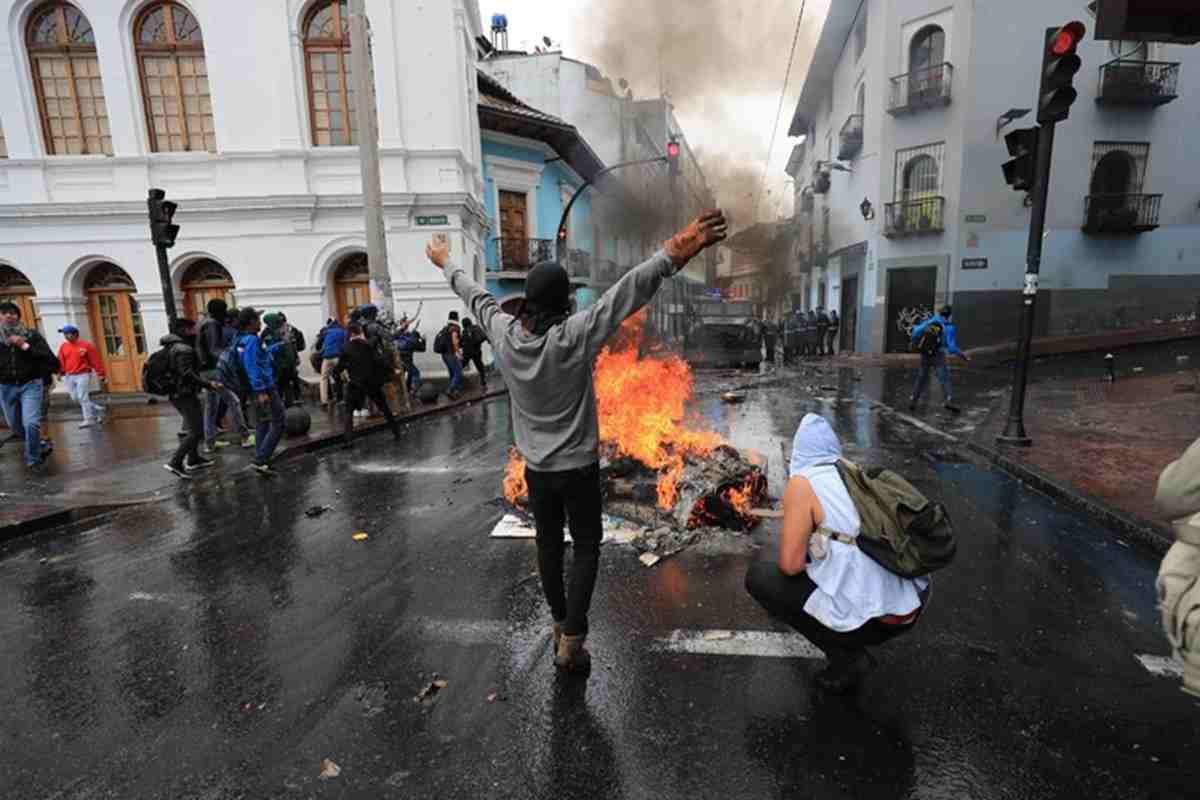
pixel 514 249
pixel 195 301
pixel 910 298
pixel 120 338
pixel 351 295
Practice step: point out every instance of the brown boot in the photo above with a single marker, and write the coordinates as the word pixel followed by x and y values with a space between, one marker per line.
pixel 571 655
pixel 556 635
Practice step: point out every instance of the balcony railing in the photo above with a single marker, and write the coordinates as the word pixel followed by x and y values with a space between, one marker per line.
pixel 1138 83
pixel 579 265
pixel 1121 213
pixel 519 255
pixel 923 88
pixel 914 217
pixel 851 137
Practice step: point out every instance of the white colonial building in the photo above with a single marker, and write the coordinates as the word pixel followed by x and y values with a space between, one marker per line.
pixel 902 203
pixel 243 112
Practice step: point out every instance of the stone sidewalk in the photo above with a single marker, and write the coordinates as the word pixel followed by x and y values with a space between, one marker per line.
pixel 121 462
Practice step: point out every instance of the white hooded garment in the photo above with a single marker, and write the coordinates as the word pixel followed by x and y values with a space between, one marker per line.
pixel 852 588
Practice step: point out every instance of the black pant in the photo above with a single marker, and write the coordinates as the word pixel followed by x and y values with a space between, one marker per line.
pixel 575 494
pixel 770 345
pixel 477 360
pixel 784 596
pixel 188 406
pixel 822 333
pixel 356 397
pixel 830 340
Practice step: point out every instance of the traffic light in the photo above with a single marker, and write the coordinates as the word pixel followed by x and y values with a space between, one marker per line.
pixel 162 211
pixel 673 157
pixel 1059 65
pixel 1020 171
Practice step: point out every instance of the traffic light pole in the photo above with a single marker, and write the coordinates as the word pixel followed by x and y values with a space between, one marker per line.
pixel 1014 430
pixel 561 241
pixel 168 289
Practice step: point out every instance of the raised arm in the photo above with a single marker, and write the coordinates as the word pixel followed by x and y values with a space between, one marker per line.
pixel 475 297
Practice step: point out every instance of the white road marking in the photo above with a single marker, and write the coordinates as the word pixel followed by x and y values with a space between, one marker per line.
pixel 761 644
pixel 916 423
pixel 1167 666
pixel 512 526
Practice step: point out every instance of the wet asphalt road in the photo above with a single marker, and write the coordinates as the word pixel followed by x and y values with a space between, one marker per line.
pixel 221 644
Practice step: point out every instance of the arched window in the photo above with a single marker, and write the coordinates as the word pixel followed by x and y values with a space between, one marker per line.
pixel 352 284
pixel 170 51
pixel 205 280
pixel 928 48
pixel 66 79
pixel 921 178
pixel 330 82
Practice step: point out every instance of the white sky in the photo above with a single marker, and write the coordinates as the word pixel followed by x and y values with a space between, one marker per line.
pixel 530 20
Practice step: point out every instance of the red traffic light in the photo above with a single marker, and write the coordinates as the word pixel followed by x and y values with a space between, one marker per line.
pixel 1068 38
pixel 673 149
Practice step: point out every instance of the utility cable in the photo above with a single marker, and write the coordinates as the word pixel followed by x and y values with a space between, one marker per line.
pixel 779 111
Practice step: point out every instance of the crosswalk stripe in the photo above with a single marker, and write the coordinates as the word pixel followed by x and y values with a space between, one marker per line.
pixel 761 644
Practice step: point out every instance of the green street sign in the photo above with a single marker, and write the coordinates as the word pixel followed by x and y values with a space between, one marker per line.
pixel 439 219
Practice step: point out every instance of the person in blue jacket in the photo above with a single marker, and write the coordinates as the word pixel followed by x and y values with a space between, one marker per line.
pixel 269 411
pixel 933 356
pixel 330 343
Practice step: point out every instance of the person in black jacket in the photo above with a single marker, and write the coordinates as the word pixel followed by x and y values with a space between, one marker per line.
pixel 368 371
pixel 822 331
pixel 26 361
pixel 472 349
pixel 186 398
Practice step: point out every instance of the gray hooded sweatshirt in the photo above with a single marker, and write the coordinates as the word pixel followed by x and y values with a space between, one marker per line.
pixel 549 377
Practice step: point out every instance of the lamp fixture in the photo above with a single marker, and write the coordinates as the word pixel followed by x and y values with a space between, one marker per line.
pixel 867 210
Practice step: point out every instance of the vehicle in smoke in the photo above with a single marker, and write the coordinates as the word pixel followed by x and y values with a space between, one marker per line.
pixel 723 333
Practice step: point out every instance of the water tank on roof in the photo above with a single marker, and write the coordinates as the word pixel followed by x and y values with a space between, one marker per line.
pixel 499 22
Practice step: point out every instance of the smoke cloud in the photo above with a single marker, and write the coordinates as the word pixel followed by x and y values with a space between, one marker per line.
pixel 721 63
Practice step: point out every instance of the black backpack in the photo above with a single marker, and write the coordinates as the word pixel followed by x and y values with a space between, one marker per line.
pixel 930 343
pixel 230 372
pixel 441 342
pixel 158 373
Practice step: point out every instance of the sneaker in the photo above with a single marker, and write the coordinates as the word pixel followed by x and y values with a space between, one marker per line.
pixel 218 444
pixel 179 471
pixel 264 470
pixel 248 441
pixel 203 463
pixel 87 423
pixel 845 677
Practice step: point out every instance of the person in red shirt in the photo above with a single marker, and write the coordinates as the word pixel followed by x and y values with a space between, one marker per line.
pixel 78 360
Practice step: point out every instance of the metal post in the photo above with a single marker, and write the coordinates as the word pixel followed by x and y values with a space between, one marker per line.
pixel 1014 430
pixel 168 289
pixel 368 149
pixel 560 246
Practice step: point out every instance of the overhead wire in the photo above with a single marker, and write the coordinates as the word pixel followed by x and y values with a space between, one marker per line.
pixel 779 111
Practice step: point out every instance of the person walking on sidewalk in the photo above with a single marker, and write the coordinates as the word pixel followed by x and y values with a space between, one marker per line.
pixel 546 354
pixel 831 336
pixel 78 361
pixel 451 352
pixel 187 384
pixel 822 323
pixel 367 370
pixel 830 591
pixel 935 338
pixel 331 341
pixel 409 341
pixel 1178 496
pixel 26 361
pixel 269 411
pixel 473 338
pixel 212 339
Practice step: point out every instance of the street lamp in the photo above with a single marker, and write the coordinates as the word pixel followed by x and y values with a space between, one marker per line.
pixel 867 210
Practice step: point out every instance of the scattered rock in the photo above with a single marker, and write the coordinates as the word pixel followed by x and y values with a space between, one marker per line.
pixel 329 769
pixel 317 511
pixel 429 693
pixel 733 397
pixel 649 559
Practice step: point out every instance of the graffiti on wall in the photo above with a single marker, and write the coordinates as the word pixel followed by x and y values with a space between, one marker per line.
pixel 909 318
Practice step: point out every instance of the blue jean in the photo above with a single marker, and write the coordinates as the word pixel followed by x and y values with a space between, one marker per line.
pixel 413 374
pixel 214 404
pixel 935 364
pixel 268 425
pixel 23 412
pixel 456 372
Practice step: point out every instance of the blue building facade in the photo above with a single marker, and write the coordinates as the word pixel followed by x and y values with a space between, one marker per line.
pixel 533 163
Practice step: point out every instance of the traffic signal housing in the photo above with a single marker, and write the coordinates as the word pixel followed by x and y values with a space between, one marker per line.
pixel 673 157
pixel 1020 172
pixel 1059 65
pixel 162 211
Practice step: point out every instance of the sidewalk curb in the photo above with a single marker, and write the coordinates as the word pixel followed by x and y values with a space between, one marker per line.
pixel 67 516
pixel 1142 530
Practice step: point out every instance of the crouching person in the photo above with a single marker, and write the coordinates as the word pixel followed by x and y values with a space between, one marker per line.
pixel 1178 496
pixel 825 586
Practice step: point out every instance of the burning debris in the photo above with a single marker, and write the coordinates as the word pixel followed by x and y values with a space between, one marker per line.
pixel 656 469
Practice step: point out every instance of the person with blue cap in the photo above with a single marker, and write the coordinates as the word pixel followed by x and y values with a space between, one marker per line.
pixel 78 361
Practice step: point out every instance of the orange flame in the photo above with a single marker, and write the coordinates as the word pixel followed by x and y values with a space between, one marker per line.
pixel 741 500
pixel 641 402
pixel 516 490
